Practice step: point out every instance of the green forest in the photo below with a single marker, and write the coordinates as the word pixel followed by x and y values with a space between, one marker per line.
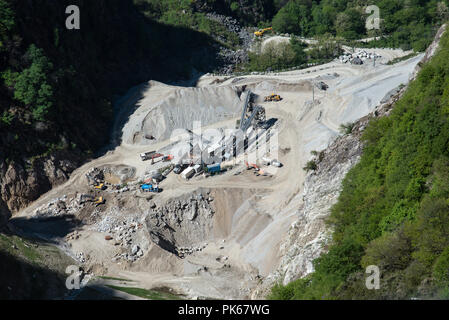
pixel 393 211
pixel 406 24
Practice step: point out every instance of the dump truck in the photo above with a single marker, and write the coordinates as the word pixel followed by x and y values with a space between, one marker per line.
pixel 273 97
pixel 261 32
pixel 188 173
pixel 147 155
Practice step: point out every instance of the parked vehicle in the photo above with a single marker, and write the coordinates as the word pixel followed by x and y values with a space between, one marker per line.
pixel 198 168
pixel 149 188
pixel 276 163
pixel 188 173
pixel 214 168
pixel 147 155
pixel 266 161
pixel 177 169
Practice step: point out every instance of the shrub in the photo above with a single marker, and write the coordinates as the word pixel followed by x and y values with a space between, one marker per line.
pixel 441 269
pixel 310 166
pixel 346 128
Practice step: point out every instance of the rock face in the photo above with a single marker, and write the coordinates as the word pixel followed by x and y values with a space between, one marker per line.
pixel 307 237
pixel 430 52
pixel 20 185
pixel 182 225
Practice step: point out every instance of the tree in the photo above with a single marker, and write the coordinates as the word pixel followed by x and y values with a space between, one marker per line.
pixel 441 273
pixel 298 48
pixel 350 24
pixel 324 19
pixel 294 17
pixel 6 17
pixel 31 86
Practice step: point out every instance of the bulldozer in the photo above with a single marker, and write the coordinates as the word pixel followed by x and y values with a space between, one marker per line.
pixel 273 97
pixel 262 31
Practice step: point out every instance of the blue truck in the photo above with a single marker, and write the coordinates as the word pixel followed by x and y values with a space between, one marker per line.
pixel 149 188
pixel 214 168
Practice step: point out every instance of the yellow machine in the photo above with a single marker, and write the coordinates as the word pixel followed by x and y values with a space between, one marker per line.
pixel 262 31
pixel 100 186
pixel 273 97
pixel 99 201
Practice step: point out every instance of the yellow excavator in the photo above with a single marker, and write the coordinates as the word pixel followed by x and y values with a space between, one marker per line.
pixel 262 31
pixel 100 186
pixel 273 97
pixel 99 201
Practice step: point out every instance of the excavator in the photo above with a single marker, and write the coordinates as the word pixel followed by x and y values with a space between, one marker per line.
pixel 273 97
pixel 100 186
pixel 99 201
pixel 262 31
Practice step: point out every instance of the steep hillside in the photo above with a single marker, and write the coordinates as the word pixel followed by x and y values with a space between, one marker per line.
pixel 57 85
pixel 403 23
pixel 31 270
pixel 393 209
pixel 247 12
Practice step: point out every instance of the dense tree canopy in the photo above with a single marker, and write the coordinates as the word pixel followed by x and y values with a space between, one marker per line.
pixel 404 23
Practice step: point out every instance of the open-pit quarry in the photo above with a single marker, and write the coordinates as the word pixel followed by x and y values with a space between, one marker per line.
pixel 224 236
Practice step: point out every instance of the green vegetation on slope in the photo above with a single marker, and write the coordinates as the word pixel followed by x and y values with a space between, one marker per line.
pixel 31 270
pixel 278 56
pixel 393 211
pixel 147 294
pixel 408 24
pixel 182 13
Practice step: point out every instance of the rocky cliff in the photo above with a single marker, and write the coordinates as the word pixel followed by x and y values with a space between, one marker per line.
pixel 19 185
pixel 309 235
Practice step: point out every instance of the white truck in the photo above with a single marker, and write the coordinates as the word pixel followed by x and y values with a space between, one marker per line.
pixel 198 168
pixel 188 173
pixel 266 161
pixel 276 163
pixel 147 155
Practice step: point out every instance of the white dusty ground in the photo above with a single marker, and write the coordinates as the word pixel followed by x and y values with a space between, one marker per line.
pixel 252 214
